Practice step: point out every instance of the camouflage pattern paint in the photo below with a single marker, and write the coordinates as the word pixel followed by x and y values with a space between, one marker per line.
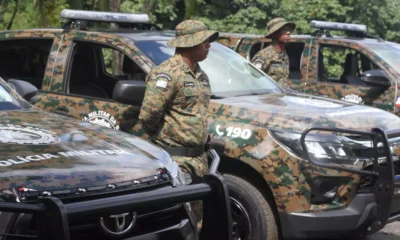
pixel 277 23
pixel 274 63
pixel 288 177
pixel 190 33
pixel 80 155
pixel 383 99
pixel 175 100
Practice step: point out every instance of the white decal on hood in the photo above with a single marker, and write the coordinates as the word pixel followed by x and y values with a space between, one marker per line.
pixel 315 102
pixel 234 132
pixel 16 134
pixel 102 118
pixel 353 98
pixel 347 112
pixel 46 156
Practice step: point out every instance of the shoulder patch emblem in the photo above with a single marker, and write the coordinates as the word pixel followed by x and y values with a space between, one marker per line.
pixel 161 84
pixel 258 62
pixel 186 68
pixel 189 84
pixel 276 64
pixel 164 75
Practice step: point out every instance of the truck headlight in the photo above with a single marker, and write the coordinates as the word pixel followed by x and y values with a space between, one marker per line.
pixel 351 150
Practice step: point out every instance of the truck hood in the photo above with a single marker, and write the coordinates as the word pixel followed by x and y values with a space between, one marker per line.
pixel 43 151
pixel 296 112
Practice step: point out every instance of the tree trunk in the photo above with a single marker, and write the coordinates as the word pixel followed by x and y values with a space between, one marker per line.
pixel 40 9
pixel 75 4
pixel 13 16
pixel 3 9
pixel 117 57
pixel 191 9
pixel 105 5
pixel 94 4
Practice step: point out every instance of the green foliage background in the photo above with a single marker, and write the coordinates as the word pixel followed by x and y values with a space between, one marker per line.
pixel 242 16
pixel 239 16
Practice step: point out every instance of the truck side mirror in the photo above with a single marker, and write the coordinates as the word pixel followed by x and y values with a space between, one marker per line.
pixel 129 92
pixel 376 78
pixel 23 88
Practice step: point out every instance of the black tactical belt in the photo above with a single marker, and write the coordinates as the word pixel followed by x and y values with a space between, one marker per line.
pixel 185 152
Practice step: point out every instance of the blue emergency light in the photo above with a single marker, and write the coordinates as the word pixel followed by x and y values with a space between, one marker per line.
pixel 97 16
pixel 348 27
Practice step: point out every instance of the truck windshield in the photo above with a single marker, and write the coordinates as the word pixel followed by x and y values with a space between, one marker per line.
pixel 229 73
pixel 389 52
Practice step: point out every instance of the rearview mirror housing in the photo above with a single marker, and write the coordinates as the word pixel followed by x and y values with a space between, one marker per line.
pixel 376 78
pixel 23 88
pixel 129 92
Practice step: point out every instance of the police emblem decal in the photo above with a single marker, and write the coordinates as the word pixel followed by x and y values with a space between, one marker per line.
pixel 353 98
pixel 102 118
pixel 16 134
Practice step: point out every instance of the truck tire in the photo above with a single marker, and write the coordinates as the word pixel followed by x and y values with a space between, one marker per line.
pixel 252 216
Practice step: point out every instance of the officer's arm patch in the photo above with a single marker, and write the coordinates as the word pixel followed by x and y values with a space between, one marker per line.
pixel 165 76
pixel 189 84
pixel 161 84
pixel 276 64
pixel 258 62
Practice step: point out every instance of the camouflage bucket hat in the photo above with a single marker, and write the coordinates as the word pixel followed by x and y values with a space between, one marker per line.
pixel 277 23
pixel 190 33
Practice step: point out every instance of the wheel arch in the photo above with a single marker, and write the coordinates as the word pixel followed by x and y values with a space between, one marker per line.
pixel 243 170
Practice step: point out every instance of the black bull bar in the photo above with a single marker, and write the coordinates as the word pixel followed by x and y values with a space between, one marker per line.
pixel 54 215
pixel 383 174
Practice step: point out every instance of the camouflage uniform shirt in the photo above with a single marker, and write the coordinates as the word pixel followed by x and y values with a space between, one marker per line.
pixel 273 63
pixel 174 110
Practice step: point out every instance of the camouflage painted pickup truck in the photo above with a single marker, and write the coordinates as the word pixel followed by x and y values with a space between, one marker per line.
pixel 296 165
pixel 357 67
pixel 61 178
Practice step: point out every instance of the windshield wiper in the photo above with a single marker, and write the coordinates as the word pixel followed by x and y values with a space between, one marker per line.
pixel 216 97
pixel 253 93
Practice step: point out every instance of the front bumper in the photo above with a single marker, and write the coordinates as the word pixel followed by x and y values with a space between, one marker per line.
pixel 182 230
pixel 361 211
pixel 53 216
pixel 395 206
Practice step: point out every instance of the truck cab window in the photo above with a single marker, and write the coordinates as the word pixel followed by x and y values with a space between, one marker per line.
pixel 24 59
pixel 97 68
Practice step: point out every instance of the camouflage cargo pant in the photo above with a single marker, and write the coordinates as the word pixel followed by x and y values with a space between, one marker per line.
pixel 196 167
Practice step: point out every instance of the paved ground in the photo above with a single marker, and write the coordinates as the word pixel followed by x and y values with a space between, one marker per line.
pixel 390 232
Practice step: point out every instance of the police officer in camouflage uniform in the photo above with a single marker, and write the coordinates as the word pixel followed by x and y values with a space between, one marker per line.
pixel 174 109
pixel 274 59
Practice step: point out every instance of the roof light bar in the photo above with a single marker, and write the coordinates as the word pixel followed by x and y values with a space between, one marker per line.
pixel 97 16
pixel 339 26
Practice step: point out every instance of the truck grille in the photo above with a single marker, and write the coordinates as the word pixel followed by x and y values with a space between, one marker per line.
pixel 147 221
